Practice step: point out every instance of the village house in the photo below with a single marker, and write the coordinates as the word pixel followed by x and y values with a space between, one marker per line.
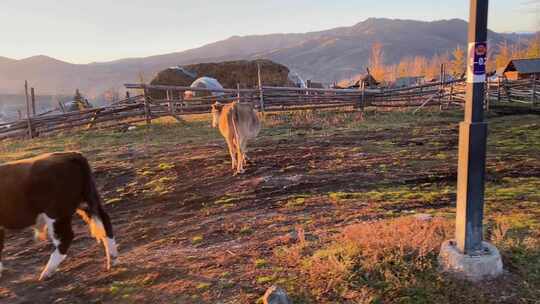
pixel 522 69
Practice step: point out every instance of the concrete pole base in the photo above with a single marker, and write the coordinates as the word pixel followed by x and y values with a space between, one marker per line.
pixel 473 267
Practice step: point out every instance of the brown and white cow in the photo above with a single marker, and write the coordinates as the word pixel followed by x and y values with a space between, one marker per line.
pixel 46 191
pixel 238 123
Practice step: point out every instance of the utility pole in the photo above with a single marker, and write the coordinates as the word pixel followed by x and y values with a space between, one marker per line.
pixel 472 137
pixel 469 254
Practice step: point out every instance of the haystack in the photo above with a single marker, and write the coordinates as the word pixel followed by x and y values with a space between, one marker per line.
pixel 177 76
pixel 228 73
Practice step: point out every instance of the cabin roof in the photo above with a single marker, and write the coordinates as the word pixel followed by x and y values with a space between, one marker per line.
pixel 524 66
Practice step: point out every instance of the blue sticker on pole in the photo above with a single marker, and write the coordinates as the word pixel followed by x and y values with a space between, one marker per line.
pixel 476 67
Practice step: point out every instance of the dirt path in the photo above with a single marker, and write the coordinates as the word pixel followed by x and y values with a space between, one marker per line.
pixel 191 232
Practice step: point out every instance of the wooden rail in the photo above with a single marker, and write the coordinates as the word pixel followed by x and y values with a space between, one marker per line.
pixel 265 98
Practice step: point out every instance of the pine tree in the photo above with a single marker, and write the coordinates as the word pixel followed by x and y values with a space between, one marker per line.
pixel 78 97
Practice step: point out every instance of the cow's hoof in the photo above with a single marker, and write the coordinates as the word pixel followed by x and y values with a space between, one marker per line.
pixel 45 275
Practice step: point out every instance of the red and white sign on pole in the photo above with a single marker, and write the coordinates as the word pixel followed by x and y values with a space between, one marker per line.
pixel 476 67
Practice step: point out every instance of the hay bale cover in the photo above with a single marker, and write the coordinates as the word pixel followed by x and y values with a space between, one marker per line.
pixel 205 83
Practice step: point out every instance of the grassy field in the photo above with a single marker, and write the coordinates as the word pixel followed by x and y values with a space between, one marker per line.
pixel 327 210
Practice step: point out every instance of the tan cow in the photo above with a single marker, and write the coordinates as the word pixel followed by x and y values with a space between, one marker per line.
pixel 238 123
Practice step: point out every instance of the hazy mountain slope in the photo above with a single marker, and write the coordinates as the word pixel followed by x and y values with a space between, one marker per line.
pixel 342 53
pixel 324 55
pixel 5 60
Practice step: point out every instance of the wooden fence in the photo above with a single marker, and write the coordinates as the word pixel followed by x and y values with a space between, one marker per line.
pixel 143 107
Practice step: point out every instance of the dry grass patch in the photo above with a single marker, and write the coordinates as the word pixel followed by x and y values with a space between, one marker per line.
pixel 382 255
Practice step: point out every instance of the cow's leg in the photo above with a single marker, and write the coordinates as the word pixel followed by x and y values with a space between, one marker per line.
pixel 232 152
pixel 109 242
pixel 240 158
pixel 2 235
pixel 244 151
pixel 101 228
pixel 61 235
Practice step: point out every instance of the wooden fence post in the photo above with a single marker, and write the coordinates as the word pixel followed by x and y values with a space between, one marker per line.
pixel 451 97
pixel 487 97
pixel 261 95
pixel 147 113
pixel 173 104
pixel 181 100
pixel 507 90
pixel 363 100
pixel 533 95
pixel 238 92
pixel 169 96
pixel 33 95
pixel 441 87
pixel 29 120
pixel 498 89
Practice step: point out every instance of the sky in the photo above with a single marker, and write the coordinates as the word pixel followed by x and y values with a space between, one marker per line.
pixel 102 30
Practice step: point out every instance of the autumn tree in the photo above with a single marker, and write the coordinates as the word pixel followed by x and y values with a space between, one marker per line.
pixel 533 47
pixel 517 51
pixel 391 72
pixel 376 61
pixel 458 64
pixel 111 95
pixel 405 67
pixel 140 77
pixel 419 66
pixel 503 55
pixel 433 69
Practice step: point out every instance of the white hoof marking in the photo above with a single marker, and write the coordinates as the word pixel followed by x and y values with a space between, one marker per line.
pixel 54 261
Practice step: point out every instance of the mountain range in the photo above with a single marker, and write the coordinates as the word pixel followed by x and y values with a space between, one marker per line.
pixel 326 56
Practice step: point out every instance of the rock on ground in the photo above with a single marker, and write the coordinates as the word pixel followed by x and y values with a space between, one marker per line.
pixel 276 295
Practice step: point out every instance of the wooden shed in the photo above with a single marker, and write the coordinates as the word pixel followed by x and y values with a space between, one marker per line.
pixel 522 69
pixel 314 85
pixel 409 81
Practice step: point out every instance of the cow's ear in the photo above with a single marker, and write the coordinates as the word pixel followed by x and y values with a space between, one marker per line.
pixel 217 106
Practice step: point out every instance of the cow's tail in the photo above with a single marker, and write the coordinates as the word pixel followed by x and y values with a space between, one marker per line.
pixel 235 119
pixel 40 228
pixel 94 215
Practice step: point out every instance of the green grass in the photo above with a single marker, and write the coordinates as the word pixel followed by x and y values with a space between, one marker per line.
pixel 197 239
pixel 265 279
pixel 427 193
pixel 103 141
pixel 203 286
pixel 260 263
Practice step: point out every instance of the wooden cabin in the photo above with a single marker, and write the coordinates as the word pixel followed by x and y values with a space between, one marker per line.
pixel 314 85
pixel 409 81
pixel 522 69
